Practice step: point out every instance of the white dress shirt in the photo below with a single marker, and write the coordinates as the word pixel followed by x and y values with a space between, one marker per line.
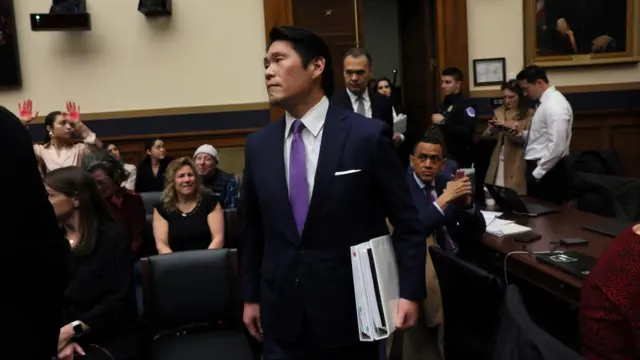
pixel 365 99
pixel 313 122
pixel 549 135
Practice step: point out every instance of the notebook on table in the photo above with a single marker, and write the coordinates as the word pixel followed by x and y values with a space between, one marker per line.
pixel 572 262
pixel 610 227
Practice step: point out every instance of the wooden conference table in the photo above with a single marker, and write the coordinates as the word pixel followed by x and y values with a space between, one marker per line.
pixel 563 224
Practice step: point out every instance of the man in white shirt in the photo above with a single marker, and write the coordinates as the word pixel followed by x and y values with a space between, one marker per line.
pixel 548 139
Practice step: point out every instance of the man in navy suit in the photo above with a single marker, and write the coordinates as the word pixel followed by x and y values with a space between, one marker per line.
pixel 357 97
pixel 313 186
pixel 445 205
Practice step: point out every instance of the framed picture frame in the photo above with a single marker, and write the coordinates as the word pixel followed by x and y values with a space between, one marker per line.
pixel 487 72
pixel 10 76
pixel 564 33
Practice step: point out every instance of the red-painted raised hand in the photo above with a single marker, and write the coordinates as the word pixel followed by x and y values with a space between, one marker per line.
pixel 73 111
pixel 25 110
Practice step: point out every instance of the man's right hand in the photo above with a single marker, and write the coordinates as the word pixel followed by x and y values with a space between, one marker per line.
pixel 251 319
pixel 455 190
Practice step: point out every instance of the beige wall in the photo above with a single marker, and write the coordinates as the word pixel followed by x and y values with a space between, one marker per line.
pixel 208 53
pixel 496 30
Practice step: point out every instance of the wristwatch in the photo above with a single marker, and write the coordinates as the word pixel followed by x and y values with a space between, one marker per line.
pixel 78 330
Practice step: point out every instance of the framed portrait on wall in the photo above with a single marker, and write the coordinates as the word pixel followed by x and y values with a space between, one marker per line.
pixel 10 75
pixel 581 32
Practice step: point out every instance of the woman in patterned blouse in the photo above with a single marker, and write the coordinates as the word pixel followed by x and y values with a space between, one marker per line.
pixel 610 302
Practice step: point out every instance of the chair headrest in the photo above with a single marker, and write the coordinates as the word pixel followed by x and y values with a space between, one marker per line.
pixel 190 287
pixel 150 199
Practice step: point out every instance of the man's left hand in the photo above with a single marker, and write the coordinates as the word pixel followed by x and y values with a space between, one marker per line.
pixel 407 314
pixel 437 118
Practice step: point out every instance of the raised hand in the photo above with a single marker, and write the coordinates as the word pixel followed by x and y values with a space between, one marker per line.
pixel 26 112
pixel 73 111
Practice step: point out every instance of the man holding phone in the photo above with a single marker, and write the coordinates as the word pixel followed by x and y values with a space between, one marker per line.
pixel 449 220
pixel 547 142
pixel 445 205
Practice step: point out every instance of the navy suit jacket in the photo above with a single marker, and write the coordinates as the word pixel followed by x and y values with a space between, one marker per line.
pixel 381 106
pixel 307 279
pixel 463 226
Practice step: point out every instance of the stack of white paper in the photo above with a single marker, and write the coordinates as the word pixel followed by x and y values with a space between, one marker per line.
pixel 510 228
pixel 489 216
pixel 375 280
pixel 501 227
pixel 400 123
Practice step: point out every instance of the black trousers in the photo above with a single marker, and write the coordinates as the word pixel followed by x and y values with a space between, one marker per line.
pixel 302 350
pixel 553 185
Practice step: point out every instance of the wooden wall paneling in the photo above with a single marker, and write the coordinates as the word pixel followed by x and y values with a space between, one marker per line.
pixel 276 13
pixel 420 79
pixel 451 29
pixel 184 144
pixel 337 21
pixel 597 130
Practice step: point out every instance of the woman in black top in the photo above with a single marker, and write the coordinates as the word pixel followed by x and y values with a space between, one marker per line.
pixel 99 312
pixel 151 170
pixel 187 218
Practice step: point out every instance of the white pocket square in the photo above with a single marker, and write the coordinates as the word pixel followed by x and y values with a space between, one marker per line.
pixel 347 172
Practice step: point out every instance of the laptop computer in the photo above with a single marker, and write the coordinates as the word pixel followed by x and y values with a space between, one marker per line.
pixel 571 262
pixel 508 200
pixel 610 227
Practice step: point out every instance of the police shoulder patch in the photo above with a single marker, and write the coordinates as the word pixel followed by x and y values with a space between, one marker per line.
pixel 471 111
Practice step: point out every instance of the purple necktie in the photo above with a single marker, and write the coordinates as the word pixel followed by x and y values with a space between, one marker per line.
pixel 298 183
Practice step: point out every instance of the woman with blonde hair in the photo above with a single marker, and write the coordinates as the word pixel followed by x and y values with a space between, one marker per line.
pixel 507 166
pixel 188 217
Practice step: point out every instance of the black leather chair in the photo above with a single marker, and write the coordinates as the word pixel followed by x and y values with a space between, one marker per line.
pixel 150 200
pixel 471 300
pixel 521 339
pixel 192 308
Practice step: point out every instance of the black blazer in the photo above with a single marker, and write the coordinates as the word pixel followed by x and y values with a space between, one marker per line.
pixel 308 279
pixel 381 106
pixel 36 256
pixel 146 181
pixel 464 226
pixel 101 293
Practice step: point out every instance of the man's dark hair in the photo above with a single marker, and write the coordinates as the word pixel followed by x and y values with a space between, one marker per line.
pixel 309 46
pixel 454 72
pixel 432 136
pixel 357 52
pixel 533 73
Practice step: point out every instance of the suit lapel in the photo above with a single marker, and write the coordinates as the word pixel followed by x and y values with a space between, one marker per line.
pixel 334 134
pixel 374 109
pixel 281 196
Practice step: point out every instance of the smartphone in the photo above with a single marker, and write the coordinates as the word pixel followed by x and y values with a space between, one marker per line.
pixel 573 241
pixel 527 237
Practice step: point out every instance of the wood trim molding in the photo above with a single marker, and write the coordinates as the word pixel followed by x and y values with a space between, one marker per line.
pixel 568 89
pixel 187 110
pixel 276 13
pixel 452 37
pixel 208 134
